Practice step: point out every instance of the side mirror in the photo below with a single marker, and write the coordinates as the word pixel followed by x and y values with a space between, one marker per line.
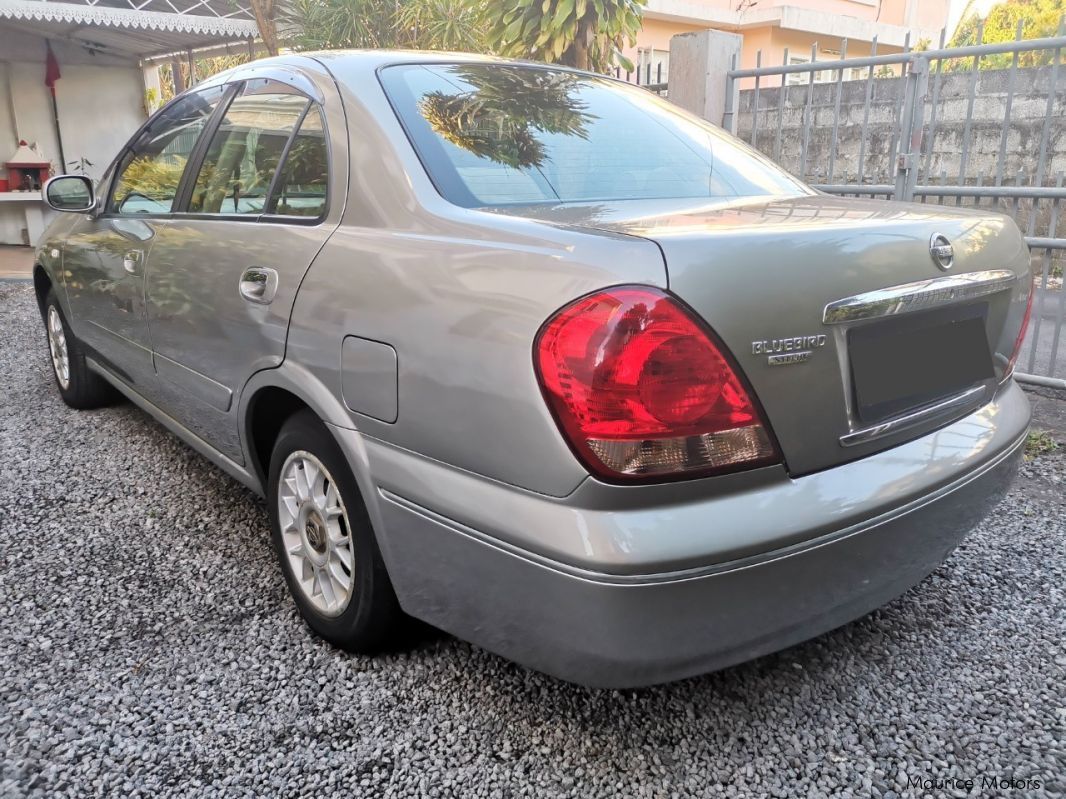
pixel 71 193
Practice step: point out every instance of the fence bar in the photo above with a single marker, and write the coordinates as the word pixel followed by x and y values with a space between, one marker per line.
pixel 911 133
pixel 855 188
pixel 1044 243
pixel 934 107
pixel 1053 358
pixel 1006 192
pixel 1038 380
pixel 905 88
pixel 807 114
pixel 781 96
pixel 755 105
pixel 836 112
pixel 947 190
pixel 964 158
pixel 1041 163
pixel 1041 291
pixel 1016 201
pixel 865 113
pixel 732 98
pixel 1009 105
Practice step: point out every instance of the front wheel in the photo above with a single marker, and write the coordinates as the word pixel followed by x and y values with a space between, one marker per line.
pixel 78 385
pixel 325 542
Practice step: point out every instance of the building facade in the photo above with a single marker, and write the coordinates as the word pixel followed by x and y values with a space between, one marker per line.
pixel 772 27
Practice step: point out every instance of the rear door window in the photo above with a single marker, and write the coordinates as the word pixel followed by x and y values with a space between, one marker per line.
pixel 302 186
pixel 245 151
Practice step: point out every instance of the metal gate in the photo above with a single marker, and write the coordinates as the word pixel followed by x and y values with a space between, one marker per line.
pixel 933 126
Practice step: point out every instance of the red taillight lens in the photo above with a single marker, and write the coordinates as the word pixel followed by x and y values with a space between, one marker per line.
pixel 640 389
pixel 1021 332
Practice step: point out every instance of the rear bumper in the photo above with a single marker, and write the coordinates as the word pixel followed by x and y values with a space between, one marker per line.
pixel 622 629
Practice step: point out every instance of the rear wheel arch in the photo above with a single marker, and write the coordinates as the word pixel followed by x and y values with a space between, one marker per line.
pixel 270 398
pixel 268 409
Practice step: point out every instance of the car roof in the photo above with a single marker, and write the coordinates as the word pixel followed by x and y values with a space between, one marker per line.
pixel 349 66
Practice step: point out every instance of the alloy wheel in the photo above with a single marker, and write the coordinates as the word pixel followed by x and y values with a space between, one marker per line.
pixel 316 533
pixel 57 345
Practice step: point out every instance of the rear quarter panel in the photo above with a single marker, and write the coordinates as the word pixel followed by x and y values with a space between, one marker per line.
pixel 459 294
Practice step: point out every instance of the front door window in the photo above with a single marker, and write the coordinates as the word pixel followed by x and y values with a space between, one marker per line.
pixel 149 174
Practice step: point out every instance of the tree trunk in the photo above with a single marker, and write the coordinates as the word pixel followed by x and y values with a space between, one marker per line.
pixel 580 47
pixel 264 11
pixel 178 75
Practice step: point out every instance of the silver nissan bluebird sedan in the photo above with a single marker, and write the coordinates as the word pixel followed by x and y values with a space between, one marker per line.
pixel 536 357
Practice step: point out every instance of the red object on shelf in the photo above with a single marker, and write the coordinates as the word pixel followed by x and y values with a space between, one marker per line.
pixel 27 166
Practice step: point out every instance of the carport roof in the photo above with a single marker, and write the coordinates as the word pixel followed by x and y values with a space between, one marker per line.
pixel 138 28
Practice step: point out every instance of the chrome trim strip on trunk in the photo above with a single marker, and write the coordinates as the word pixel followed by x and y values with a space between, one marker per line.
pixel 920 416
pixel 918 296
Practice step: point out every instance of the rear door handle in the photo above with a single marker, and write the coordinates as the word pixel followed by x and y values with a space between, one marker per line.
pixel 259 284
pixel 131 260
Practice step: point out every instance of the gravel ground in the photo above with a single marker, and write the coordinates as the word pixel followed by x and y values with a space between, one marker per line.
pixel 147 647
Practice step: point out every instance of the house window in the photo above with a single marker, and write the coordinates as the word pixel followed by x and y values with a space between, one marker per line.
pixel 802 78
pixel 653 65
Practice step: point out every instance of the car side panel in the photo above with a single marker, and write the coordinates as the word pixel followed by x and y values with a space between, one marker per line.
pixel 459 295
pixel 461 309
pixel 208 339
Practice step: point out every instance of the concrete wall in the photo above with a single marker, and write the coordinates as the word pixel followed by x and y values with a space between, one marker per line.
pixel 100 100
pixel 1023 140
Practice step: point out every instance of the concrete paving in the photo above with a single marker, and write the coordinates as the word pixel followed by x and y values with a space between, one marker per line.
pixel 16 263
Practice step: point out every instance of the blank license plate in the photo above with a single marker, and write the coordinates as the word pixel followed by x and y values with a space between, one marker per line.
pixel 908 362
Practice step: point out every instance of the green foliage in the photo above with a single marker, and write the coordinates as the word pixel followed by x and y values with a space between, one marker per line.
pixel 416 24
pixel 441 25
pixel 1039 19
pixel 505 109
pixel 1039 442
pixel 588 34
pixel 205 68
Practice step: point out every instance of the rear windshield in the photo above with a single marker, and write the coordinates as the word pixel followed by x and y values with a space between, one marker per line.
pixel 492 134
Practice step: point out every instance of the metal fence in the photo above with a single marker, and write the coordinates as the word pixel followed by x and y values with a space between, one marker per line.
pixel 933 126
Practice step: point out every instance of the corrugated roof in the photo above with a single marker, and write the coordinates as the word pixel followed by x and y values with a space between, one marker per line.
pixel 117 28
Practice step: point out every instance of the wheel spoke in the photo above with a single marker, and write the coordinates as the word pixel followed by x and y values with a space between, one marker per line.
pixel 342 549
pixel 339 576
pixel 290 506
pixel 325 586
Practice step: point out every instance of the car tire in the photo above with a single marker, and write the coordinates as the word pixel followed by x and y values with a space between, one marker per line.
pixel 79 386
pixel 322 533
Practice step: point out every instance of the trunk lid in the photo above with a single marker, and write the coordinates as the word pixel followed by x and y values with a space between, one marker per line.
pixel 762 272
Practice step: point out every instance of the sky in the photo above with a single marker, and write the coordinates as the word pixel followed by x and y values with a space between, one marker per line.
pixel 958 6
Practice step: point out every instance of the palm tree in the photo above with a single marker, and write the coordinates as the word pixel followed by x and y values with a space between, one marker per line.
pixel 500 116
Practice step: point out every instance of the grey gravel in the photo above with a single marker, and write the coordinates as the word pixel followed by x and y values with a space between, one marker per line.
pixel 148 647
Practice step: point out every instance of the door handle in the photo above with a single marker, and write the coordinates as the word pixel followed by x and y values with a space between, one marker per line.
pixel 259 284
pixel 130 261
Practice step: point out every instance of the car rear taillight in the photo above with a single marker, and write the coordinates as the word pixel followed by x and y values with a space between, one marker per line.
pixel 640 389
pixel 1021 332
